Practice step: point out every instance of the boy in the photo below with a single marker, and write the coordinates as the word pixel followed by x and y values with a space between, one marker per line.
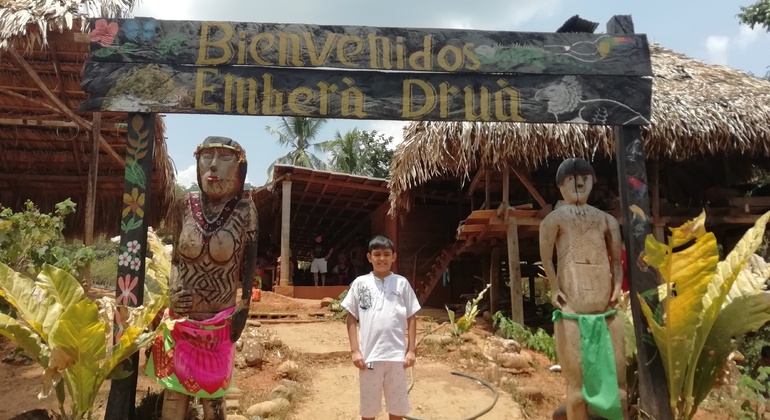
pixel 384 305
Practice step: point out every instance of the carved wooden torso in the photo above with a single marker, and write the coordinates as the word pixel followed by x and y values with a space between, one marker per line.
pixel 210 255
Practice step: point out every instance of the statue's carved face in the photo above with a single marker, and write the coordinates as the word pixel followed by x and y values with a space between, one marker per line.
pixel 218 169
pixel 576 188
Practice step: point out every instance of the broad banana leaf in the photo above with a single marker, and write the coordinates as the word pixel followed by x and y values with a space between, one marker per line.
pixel 61 285
pixel 751 280
pixel 77 343
pixel 158 271
pixel 36 306
pixel 687 272
pixel 25 338
pixel 745 314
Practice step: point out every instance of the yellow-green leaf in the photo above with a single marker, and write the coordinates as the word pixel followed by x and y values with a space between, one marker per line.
pixel 34 304
pixel 61 285
pixel 79 338
pixel 751 279
pixel 25 338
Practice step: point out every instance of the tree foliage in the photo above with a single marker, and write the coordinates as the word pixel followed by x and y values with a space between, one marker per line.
pixel 360 152
pixel 299 134
pixel 756 14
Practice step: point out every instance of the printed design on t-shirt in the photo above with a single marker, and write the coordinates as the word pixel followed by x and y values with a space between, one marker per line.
pixel 364 296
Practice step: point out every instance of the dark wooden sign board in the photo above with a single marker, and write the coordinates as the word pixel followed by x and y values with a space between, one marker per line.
pixel 145 66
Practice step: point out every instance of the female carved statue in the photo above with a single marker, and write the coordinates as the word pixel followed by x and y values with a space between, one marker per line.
pixel 215 252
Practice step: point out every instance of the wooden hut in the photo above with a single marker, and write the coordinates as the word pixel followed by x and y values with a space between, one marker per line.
pixel 455 184
pixel 49 151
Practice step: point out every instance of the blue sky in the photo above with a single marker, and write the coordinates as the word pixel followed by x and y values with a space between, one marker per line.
pixel 707 30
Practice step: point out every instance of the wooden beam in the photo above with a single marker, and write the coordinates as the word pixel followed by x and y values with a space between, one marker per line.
pixel 657 227
pixel 494 279
pixel 632 177
pixel 34 121
pixel 514 272
pixel 475 182
pixel 30 100
pixel 93 173
pixel 338 183
pixel 61 106
pixel 506 187
pixel 530 187
pixel 285 232
pixel 487 192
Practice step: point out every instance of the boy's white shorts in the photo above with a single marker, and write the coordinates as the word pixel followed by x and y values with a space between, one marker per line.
pixel 318 266
pixel 388 378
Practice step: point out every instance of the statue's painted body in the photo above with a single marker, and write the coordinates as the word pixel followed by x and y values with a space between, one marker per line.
pixel 215 236
pixel 587 286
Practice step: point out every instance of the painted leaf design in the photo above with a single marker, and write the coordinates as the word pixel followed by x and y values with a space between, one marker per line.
pixel 137 122
pixel 133 142
pixel 61 285
pixel 687 272
pixel 25 338
pixel 135 175
pixel 78 339
pixel 38 308
pixel 141 154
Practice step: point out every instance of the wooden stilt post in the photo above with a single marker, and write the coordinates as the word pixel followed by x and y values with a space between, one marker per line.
pixel 657 228
pixel 285 233
pixel 93 173
pixel 514 272
pixel 121 404
pixel 632 177
pixel 494 279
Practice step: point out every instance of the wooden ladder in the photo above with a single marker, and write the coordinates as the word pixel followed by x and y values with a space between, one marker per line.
pixel 440 265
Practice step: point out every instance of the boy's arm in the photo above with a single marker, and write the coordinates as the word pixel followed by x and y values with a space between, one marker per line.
pixel 355 348
pixel 411 343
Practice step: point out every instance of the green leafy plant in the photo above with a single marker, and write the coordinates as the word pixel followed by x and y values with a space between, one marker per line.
pixel 69 335
pixel 463 324
pixel 751 395
pixel 336 307
pixel 539 341
pixel 29 239
pixel 705 303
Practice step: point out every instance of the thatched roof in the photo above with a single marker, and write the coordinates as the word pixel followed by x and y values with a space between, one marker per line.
pixel 45 144
pixel 697 110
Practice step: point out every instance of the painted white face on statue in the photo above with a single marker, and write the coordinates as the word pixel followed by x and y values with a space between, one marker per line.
pixel 218 167
pixel 576 188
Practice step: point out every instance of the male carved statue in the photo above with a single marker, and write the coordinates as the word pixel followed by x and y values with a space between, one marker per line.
pixel 586 289
pixel 215 251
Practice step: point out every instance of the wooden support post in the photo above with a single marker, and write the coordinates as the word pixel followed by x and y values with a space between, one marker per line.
pixel 494 279
pixel 657 225
pixel 632 177
pixel 93 171
pixel 485 277
pixel 506 187
pixel 514 271
pixel 285 233
pixel 487 199
pixel 121 404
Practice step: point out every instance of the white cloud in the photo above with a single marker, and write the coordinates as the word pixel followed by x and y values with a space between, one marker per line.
pixel 393 129
pixel 717 48
pixel 186 177
pixel 166 9
pixel 748 36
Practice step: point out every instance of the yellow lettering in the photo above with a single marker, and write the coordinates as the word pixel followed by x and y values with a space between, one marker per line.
pixel 358 100
pixel 242 47
pixel 289 42
pixel 445 90
pixel 296 104
pixel 325 91
pixel 228 99
pixel 512 102
pixel 319 59
pixel 200 89
pixel 272 100
pixel 470 104
pixel 251 102
pixel 443 60
pixel 408 98
pixel 344 58
pixel 424 55
pixel 374 52
pixel 253 47
pixel 400 53
pixel 471 56
pixel 223 44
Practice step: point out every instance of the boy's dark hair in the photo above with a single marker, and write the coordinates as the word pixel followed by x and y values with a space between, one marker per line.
pixel 381 242
pixel 574 166
pixel 765 351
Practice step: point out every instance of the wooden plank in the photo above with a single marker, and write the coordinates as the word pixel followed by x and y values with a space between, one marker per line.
pixel 339 183
pixel 514 272
pixel 149 40
pixel 494 279
pixel 506 187
pixel 632 177
pixel 476 229
pixel 235 90
pixel 749 201
pixel 530 187
pixel 480 216
pixel 480 174
pixel 121 403
pixel 93 173
pixel 285 232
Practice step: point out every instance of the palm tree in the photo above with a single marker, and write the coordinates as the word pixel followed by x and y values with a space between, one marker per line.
pixel 346 152
pixel 299 134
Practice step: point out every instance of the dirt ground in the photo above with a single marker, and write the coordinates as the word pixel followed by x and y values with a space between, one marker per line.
pixel 330 382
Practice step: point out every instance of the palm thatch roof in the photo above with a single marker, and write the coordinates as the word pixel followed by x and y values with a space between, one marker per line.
pixel 698 110
pixel 45 144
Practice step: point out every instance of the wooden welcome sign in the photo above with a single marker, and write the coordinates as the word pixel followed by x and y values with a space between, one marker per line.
pixel 147 65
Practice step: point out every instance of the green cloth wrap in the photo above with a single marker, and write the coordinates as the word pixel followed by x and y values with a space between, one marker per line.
pixel 600 378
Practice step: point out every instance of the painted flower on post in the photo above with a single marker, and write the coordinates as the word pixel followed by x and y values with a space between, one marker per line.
pixel 133 246
pixel 126 284
pixel 135 264
pixel 118 325
pixel 133 202
pixel 104 33
pixel 124 259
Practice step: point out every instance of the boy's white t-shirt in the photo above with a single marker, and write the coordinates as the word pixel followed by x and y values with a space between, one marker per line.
pixel 381 308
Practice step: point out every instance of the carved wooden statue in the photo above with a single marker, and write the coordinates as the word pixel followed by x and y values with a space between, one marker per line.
pixel 586 289
pixel 215 252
